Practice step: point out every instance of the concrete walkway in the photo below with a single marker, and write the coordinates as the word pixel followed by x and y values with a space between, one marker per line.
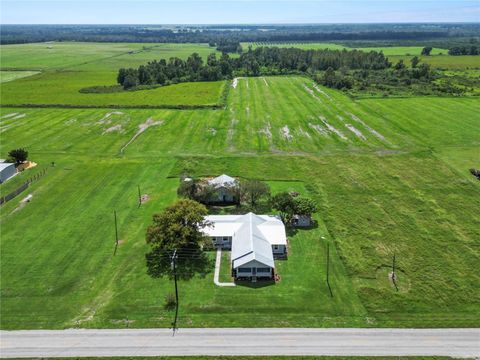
pixel 240 341
pixel 216 275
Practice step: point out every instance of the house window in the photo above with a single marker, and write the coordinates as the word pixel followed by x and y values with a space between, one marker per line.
pixel 275 247
pixel 244 270
pixel 263 270
pixel 226 239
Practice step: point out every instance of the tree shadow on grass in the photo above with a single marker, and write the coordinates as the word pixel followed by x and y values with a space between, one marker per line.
pixel 189 264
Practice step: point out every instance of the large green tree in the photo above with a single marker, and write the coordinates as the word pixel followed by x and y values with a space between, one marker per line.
pixel 18 155
pixel 254 190
pixel 179 227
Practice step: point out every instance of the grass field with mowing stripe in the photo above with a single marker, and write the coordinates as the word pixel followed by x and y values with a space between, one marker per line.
pixel 62 88
pixel 390 176
pixel 387 50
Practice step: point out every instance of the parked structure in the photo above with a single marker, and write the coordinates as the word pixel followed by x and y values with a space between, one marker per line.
pixel 7 170
pixel 225 187
pixel 255 240
pixel 301 220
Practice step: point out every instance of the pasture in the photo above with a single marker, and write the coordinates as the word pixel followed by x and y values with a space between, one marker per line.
pixel 387 50
pixel 390 176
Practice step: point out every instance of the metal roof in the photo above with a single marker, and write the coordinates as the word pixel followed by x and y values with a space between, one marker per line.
pixel 252 236
pixel 5 165
pixel 223 180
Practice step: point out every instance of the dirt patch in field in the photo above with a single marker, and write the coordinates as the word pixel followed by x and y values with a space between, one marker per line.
pixel 106 119
pixel 265 81
pixel 247 109
pixel 303 133
pixel 332 129
pixel 372 131
pixel 23 202
pixel 235 83
pixel 311 92
pixel 141 128
pixel 212 131
pixel 26 165
pixel 13 116
pixel 267 131
pixel 7 116
pixel 318 128
pixel 315 86
pixel 144 198
pixel 352 128
pixel 118 128
pixel 285 132
pixel 71 121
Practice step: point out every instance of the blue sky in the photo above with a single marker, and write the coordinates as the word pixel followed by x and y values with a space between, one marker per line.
pixel 235 11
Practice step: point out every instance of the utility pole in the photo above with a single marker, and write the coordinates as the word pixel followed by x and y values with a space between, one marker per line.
pixel 116 231
pixel 328 269
pixel 174 268
pixel 139 196
pixel 394 275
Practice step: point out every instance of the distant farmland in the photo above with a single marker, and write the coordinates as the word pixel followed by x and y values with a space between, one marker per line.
pixel 390 176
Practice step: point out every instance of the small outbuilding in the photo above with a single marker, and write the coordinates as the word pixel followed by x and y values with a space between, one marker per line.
pixel 224 186
pixel 301 220
pixel 7 170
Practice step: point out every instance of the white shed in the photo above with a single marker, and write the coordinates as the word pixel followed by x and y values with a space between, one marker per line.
pixel 224 189
pixel 7 170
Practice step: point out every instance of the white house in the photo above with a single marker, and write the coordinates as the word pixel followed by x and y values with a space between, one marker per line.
pixel 224 189
pixel 7 170
pixel 255 240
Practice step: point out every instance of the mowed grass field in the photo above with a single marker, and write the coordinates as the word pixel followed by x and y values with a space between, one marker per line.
pixel 387 50
pixel 68 67
pixel 390 177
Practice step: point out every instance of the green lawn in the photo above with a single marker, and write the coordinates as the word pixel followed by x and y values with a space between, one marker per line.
pixel 402 187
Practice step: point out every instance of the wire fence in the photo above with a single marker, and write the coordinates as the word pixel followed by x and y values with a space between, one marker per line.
pixel 23 187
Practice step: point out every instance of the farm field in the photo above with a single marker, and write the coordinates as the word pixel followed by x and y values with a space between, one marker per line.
pixel 387 50
pixel 104 56
pixel 444 61
pixel 6 76
pixel 389 175
pixel 62 88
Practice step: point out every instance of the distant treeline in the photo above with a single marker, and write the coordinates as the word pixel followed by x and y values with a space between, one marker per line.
pixel 226 36
pixel 261 61
pixel 464 50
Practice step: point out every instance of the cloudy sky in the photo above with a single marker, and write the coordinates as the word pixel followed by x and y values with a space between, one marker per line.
pixel 235 11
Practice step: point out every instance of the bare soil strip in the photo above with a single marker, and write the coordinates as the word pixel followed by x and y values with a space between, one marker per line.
pixel 352 128
pixel 332 129
pixel 285 132
pixel 265 81
pixel 372 131
pixel 318 128
pixel 315 86
pixel 311 92
pixel 105 119
pixel 118 128
pixel 141 128
pixel 267 131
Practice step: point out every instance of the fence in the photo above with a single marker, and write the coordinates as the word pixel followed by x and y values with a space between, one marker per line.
pixel 21 188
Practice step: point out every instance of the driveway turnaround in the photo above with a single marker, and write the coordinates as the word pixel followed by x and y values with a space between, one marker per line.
pixel 240 341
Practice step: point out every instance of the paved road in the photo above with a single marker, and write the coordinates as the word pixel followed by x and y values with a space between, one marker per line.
pixel 150 342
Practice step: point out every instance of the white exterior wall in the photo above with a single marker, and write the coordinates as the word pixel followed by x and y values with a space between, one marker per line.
pixel 279 249
pixel 256 265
